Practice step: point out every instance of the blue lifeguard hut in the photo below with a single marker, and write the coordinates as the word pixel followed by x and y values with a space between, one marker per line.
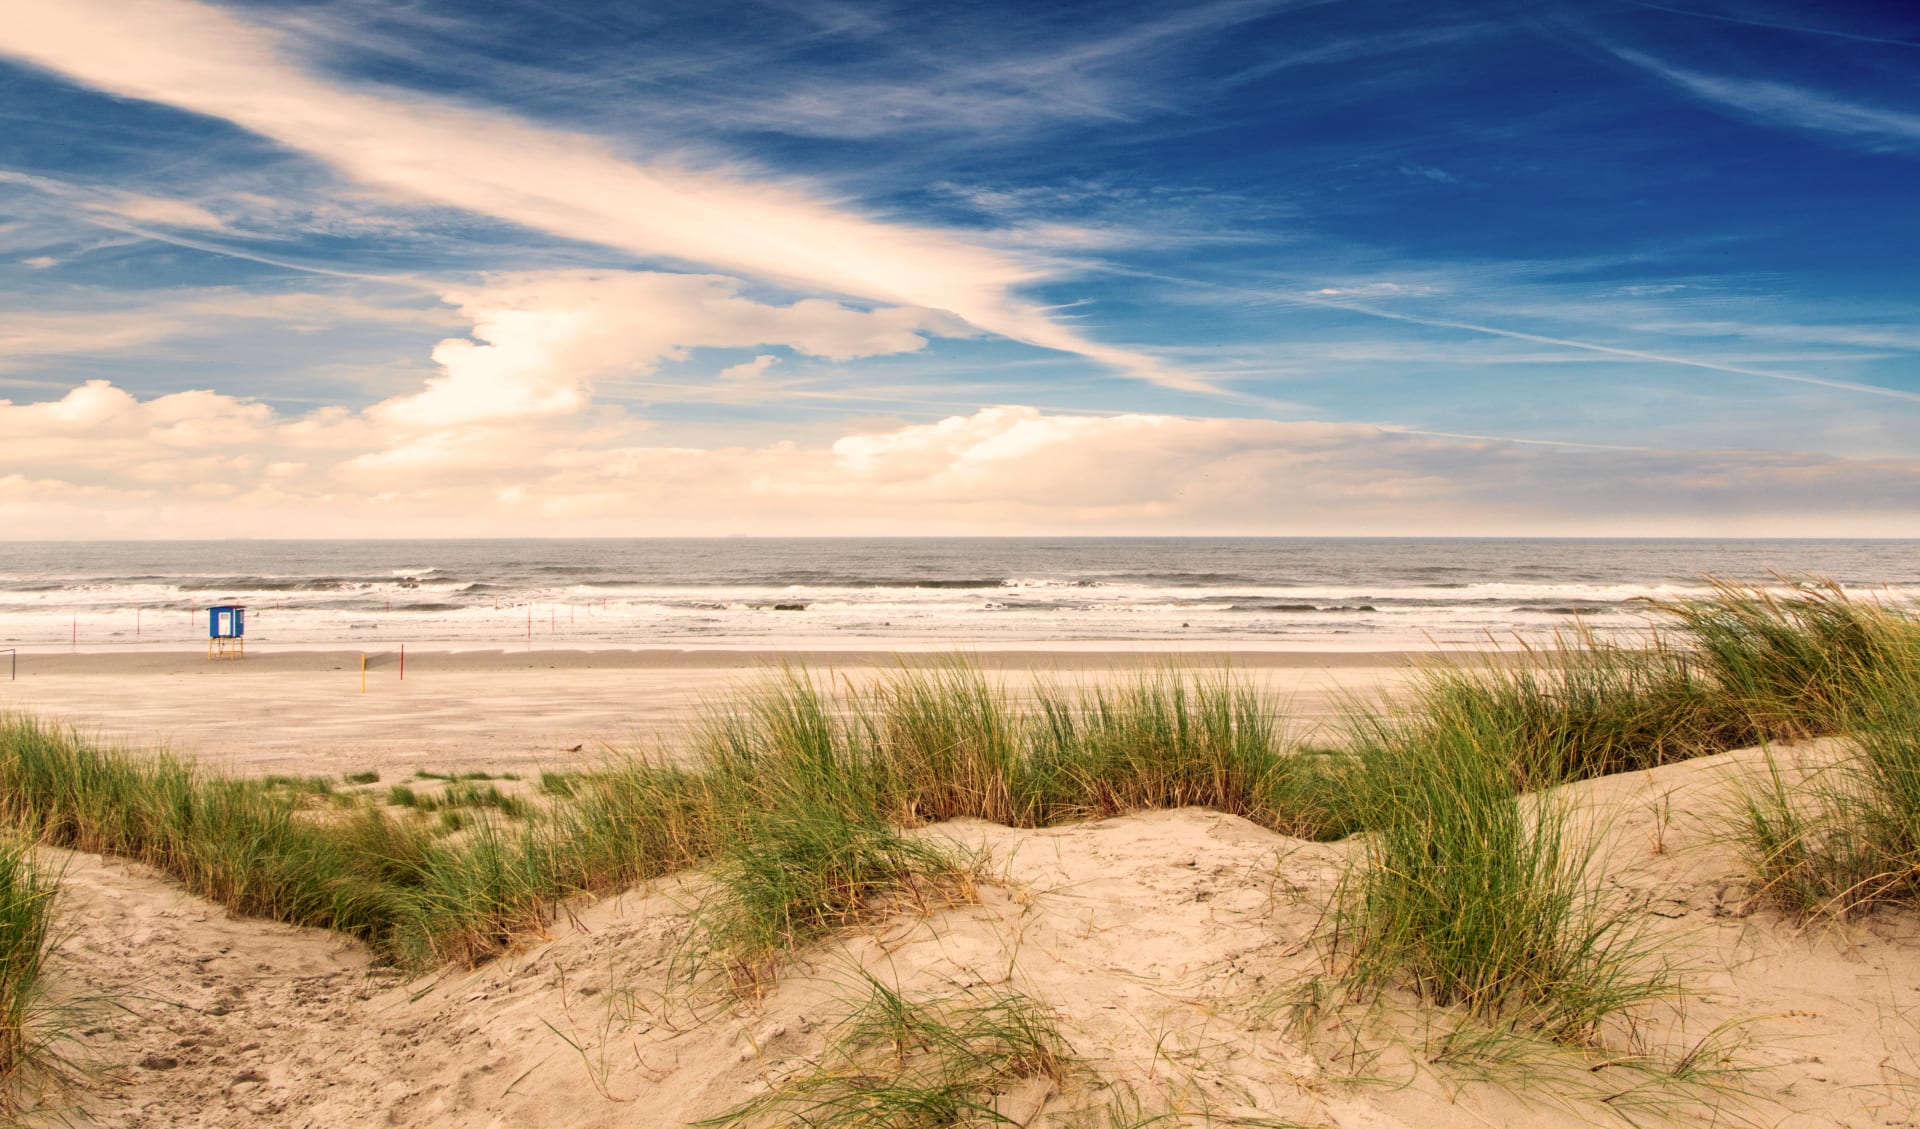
pixel 227 631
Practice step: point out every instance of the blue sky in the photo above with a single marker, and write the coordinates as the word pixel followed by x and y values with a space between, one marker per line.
pixel 362 267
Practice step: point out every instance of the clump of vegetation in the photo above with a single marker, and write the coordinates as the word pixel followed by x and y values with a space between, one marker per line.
pixel 370 776
pixel 1843 838
pixel 470 900
pixel 798 873
pixel 301 785
pixel 457 795
pixel 463 794
pixel 237 842
pixel 1799 660
pixel 1580 709
pixel 1472 896
pixel 946 743
pixel 1166 740
pixel 27 1053
pixel 900 1061
pixel 801 798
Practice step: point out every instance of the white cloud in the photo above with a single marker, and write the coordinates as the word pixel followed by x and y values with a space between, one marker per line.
pixel 116 324
pixel 749 372
pixel 155 210
pixel 40 262
pixel 202 58
pixel 542 338
pixel 100 462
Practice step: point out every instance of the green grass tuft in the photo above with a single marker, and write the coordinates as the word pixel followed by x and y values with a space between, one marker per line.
pixel 1581 709
pixel 1844 838
pixel 27 1057
pixel 903 1063
pixel 307 785
pixel 1799 660
pixel 1476 898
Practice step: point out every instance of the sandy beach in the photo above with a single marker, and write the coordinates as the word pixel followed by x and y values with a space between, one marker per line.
pixel 304 712
pixel 569 564
pixel 1181 955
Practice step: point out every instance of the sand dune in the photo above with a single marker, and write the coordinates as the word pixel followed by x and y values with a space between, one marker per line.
pixel 1165 942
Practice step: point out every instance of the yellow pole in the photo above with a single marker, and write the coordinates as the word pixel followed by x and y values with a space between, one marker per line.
pixel 363 672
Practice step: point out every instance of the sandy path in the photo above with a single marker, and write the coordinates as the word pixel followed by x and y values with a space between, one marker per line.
pixel 304 712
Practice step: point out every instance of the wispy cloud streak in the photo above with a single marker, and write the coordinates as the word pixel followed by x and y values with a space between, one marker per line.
pixel 1774 25
pixel 1623 352
pixel 201 58
pixel 1784 104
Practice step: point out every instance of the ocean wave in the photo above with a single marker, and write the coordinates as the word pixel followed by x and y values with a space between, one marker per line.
pixel 1260 607
pixel 271 584
pixel 1197 579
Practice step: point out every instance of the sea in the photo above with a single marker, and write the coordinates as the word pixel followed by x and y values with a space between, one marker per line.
pixel 906 594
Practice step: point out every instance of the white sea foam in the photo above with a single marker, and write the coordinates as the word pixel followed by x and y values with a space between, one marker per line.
pixel 1223 594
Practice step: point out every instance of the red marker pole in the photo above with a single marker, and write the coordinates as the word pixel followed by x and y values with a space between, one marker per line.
pixel 529 628
pixel 403 662
pixel 553 621
pixel 136 623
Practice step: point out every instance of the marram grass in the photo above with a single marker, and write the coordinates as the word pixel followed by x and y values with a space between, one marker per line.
pixel 1842 838
pixel 1798 658
pixel 28 1027
pixel 1474 897
pixel 789 783
pixel 900 1062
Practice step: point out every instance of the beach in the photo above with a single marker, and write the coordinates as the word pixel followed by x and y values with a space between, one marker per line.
pixel 302 712
pixel 569 564
pixel 612 885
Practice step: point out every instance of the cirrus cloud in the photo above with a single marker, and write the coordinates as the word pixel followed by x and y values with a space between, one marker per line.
pixel 205 59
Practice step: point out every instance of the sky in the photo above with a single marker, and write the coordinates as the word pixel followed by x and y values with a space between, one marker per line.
pixel 376 268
